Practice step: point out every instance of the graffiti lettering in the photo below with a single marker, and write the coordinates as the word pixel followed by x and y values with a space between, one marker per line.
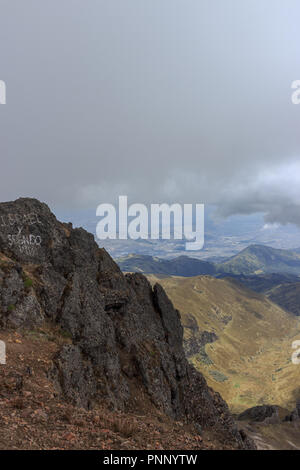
pixel 19 219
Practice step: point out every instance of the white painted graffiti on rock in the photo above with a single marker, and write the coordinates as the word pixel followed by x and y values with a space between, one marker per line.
pixel 24 240
pixel 20 219
pixel 27 250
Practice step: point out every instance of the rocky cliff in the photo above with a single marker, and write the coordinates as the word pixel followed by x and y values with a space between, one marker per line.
pixel 126 337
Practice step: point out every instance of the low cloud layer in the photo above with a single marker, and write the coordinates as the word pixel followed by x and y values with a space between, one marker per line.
pixel 163 101
pixel 274 192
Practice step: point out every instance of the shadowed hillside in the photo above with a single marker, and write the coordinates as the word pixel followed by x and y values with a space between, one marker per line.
pixel 262 283
pixel 287 296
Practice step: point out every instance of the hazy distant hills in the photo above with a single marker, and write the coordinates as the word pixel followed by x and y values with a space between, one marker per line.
pixel 258 259
pixel 254 260
pixel 260 268
pixel 181 266
pixel 223 237
pixel 277 274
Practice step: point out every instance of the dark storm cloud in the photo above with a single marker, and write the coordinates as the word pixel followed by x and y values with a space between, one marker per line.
pixel 160 100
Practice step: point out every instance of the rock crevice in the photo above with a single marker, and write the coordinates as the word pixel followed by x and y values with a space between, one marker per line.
pixel 127 338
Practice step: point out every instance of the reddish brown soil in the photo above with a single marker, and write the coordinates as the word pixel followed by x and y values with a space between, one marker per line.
pixel 34 416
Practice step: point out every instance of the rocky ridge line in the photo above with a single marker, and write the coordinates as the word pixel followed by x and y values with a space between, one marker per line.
pixel 127 338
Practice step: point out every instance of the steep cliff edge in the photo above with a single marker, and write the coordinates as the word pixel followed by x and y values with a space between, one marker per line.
pixel 126 337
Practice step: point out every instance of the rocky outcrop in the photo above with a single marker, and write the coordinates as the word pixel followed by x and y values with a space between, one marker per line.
pixel 126 337
pixel 265 413
pixel 295 415
pixel 195 342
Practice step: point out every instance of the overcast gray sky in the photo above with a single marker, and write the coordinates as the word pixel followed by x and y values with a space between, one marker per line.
pixel 162 100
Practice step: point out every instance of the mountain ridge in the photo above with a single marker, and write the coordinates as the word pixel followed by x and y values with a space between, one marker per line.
pixel 261 258
pixel 253 260
pixel 125 344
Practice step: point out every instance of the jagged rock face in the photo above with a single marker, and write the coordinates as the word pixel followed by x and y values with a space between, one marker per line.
pixel 295 415
pixel 197 339
pixel 260 414
pixel 126 337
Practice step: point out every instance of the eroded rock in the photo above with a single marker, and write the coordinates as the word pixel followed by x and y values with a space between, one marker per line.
pixel 127 339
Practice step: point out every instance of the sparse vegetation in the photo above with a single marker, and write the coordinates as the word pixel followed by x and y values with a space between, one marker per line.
pixel 124 427
pixel 65 334
pixel 28 282
pixel 50 333
pixel 203 357
pixel 218 376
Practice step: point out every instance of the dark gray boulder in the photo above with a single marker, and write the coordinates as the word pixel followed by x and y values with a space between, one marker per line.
pixel 260 414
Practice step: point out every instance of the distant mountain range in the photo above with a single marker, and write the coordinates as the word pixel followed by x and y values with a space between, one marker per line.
pixel 180 266
pixel 269 271
pixel 223 237
pixel 253 260
pixel 258 259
